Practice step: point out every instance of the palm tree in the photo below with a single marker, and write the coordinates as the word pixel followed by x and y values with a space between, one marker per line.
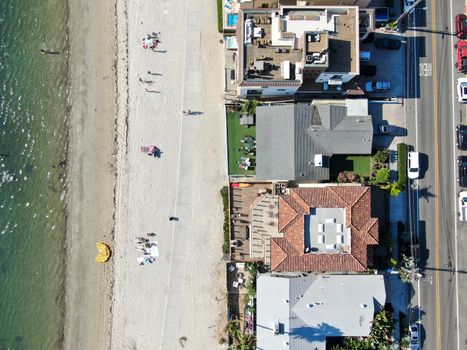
pixel 233 329
pixel 249 107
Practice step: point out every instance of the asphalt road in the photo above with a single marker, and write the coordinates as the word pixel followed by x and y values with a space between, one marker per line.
pixel 432 114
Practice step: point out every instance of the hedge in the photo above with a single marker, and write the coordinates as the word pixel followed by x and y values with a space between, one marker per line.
pixel 402 150
pixel 220 25
pixel 225 201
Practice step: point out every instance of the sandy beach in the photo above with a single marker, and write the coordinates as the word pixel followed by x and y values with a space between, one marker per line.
pixel 179 301
pixel 116 193
pixel 91 173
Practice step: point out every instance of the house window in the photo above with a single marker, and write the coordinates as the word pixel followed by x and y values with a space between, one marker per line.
pixel 280 89
pixel 253 93
pixel 337 76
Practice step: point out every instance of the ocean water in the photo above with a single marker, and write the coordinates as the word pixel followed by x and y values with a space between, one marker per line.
pixel 33 137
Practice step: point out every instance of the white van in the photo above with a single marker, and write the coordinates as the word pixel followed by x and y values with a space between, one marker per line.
pixel 365 56
pixel 414 165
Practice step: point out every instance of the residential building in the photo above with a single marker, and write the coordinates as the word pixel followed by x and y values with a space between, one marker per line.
pixel 327 228
pixel 291 48
pixel 296 141
pixel 303 311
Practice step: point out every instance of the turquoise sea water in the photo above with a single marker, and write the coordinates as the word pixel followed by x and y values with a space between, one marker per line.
pixel 33 136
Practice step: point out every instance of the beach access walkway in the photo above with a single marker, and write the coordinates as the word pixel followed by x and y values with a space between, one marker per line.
pixel 179 301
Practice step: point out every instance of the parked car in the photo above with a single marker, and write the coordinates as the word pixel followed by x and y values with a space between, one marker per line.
pixel 462 171
pixel 414 165
pixel 388 44
pixel 461 63
pixel 385 130
pixel 462 90
pixel 461 26
pixel 463 206
pixel 371 86
pixel 414 335
pixel 368 70
pixel 461 137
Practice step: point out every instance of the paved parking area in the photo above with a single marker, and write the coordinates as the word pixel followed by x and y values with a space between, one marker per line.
pixel 390 66
pixel 388 114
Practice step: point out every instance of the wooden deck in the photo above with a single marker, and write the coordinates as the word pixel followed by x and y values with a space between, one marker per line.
pixel 243 200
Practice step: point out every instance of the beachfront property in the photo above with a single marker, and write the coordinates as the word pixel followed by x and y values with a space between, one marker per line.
pixel 317 228
pixel 290 49
pixel 327 229
pixel 305 311
pixel 294 142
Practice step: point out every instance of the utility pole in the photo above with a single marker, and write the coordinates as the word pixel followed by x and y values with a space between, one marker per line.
pixel 406 12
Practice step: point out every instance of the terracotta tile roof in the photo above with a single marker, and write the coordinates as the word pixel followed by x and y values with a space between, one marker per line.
pixel 287 254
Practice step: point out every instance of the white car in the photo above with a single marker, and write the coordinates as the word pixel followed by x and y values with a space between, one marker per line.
pixel 414 165
pixel 463 206
pixel 462 90
pixel 414 334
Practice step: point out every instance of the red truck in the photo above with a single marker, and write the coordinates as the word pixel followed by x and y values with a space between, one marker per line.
pixel 461 64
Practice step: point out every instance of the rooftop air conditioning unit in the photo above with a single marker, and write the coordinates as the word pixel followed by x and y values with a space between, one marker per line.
pixel 309 59
pixel 276 328
pixel 318 160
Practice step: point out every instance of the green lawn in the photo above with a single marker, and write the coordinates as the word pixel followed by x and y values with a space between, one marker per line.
pixel 359 164
pixel 236 132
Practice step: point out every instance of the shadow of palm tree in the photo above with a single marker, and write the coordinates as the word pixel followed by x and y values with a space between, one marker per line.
pixel 426 193
pixel 315 333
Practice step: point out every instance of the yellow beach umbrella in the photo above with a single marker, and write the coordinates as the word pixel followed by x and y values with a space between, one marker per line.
pixel 104 252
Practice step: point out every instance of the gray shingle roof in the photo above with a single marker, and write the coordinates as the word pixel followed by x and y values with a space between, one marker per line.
pixel 289 136
pixel 275 142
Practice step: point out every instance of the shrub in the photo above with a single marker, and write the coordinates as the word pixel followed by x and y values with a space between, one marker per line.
pixel 382 176
pixel 381 156
pixel 342 177
pixel 347 176
pixel 396 189
pixel 402 163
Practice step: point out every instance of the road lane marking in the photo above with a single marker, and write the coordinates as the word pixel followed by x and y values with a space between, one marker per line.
pixel 425 69
pixel 453 102
pixel 435 132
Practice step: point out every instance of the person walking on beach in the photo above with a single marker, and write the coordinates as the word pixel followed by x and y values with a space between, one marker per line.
pixel 173 218
pixel 187 112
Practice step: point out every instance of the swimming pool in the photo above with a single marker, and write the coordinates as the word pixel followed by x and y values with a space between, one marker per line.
pixel 232 19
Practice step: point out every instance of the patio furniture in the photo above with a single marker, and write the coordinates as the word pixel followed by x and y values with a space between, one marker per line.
pixel 231 268
pixel 235 284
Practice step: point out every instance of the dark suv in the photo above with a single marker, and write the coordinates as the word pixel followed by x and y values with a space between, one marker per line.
pixel 462 171
pixel 461 137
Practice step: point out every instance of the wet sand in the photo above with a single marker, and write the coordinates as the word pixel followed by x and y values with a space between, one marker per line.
pixel 91 173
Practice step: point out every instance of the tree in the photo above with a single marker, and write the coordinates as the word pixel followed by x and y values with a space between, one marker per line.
pixel 249 107
pixel 381 156
pixel 381 330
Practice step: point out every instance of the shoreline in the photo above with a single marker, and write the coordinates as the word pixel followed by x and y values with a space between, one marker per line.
pixel 91 173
